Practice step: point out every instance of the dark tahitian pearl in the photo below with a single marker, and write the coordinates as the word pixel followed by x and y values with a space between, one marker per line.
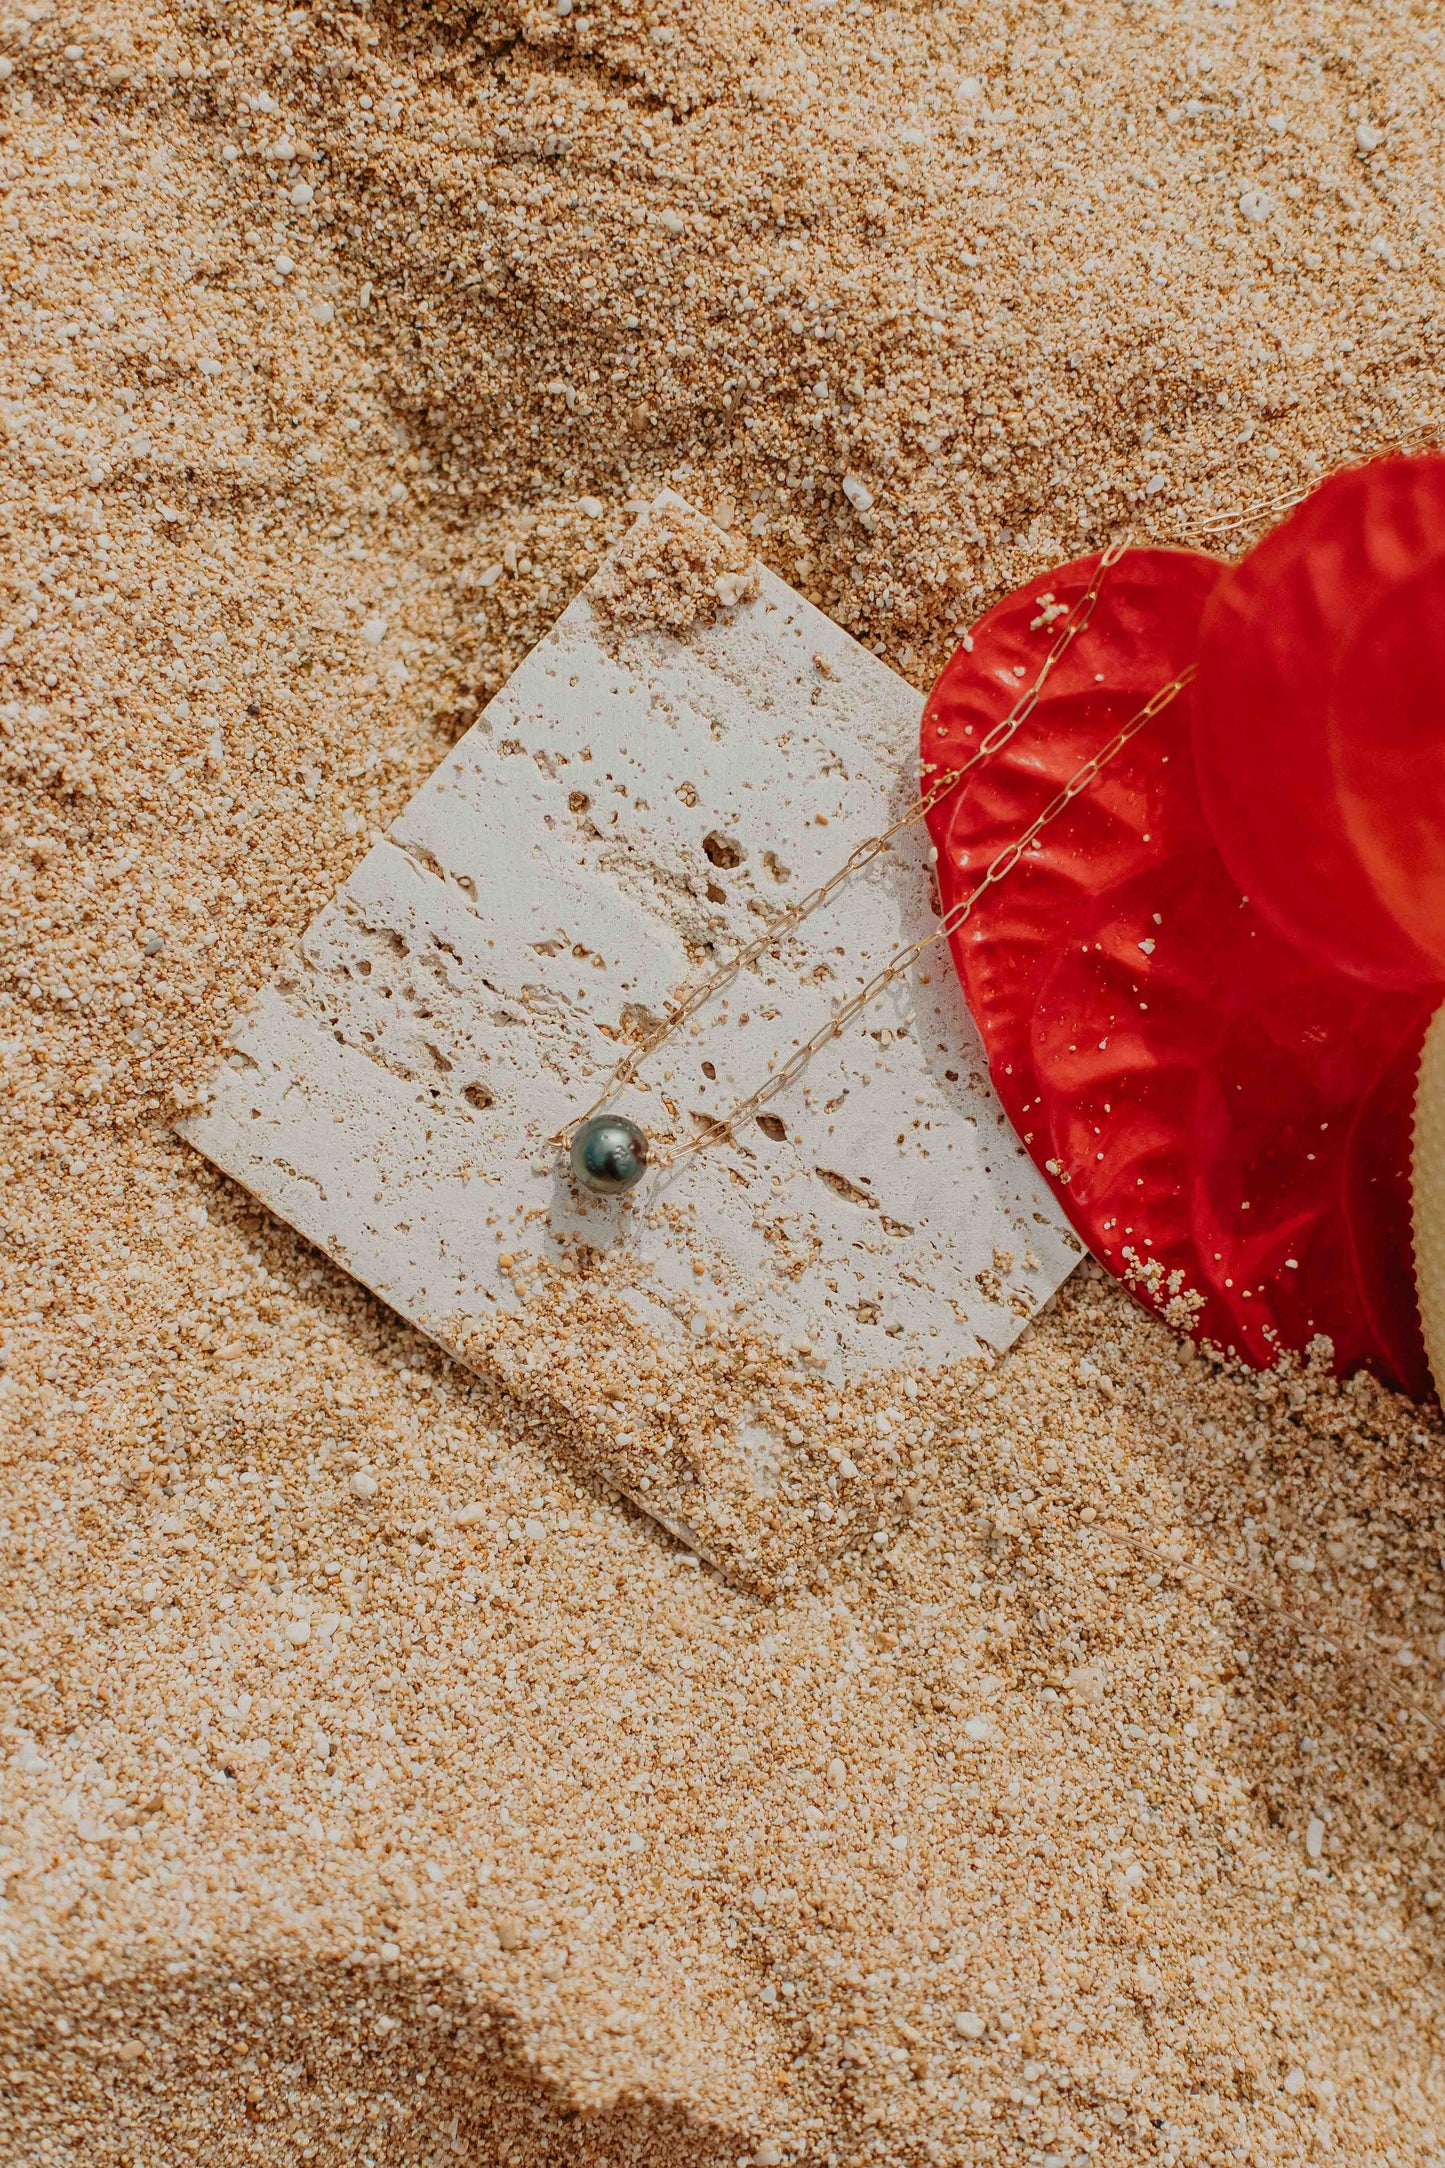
pixel 609 1154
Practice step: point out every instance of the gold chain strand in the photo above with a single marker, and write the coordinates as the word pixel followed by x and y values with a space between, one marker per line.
pixel 1273 507
pixel 1003 865
pixel 993 741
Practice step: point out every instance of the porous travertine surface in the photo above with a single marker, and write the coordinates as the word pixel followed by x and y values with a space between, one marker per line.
pixel 615 829
pixel 1095 1814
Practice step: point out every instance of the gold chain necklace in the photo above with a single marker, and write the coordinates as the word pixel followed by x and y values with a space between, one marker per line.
pixel 610 1153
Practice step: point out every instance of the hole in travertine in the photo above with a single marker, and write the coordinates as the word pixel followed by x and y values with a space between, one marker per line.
pixel 477 1095
pixel 639 1022
pixel 773 1125
pixel 722 851
pixel 578 801
pixel 842 1187
pixel 709 1069
pixel 716 894
pixel 425 858
pixel 775 866
pixel 437 1056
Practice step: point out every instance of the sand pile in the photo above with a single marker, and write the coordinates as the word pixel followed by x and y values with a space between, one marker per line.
pixel 1096 1818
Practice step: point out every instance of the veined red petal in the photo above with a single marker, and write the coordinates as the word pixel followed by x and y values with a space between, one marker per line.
pixel 1224 1118
pixel 1309 796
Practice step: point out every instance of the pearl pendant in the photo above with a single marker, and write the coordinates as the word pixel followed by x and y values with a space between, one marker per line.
pixel 609 1154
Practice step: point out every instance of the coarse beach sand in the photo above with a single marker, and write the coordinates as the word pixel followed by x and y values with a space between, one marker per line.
pixel 1093 1818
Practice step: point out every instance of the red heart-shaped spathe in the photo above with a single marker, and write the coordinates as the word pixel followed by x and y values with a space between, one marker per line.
pixel 1191 1083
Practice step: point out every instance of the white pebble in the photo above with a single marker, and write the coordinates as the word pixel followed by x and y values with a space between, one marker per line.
pixel 302 194
pixel 323 312
pixel 281 150
pixel 374 631
pixel 1294 2081
pixel 836 1770
pixel 1254 205
pixel 591 506
pixel 1368 138
pixel 208 367
pixel 298 1632
pixel 285 264
pixel 977 1728
pixel 768 2155
pixel 7 69
pixel 1315 1837
pixel 363 1485
pixel 229 154
pixel 671 221
pixel 468 1516
pixel 970 2025
pixel 859 495
pixel 730 588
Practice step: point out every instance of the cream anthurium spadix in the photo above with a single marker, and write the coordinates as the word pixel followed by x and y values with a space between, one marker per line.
pixel 1428 1195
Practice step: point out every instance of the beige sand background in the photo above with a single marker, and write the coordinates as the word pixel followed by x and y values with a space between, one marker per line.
pixel 1095 1820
